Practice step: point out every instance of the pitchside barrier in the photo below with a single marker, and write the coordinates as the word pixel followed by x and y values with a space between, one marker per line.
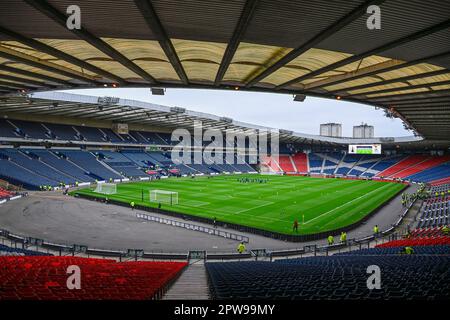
pixel 20 242
pixel 194 227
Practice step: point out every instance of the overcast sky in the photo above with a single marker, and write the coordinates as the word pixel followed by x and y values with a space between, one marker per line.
pixel 267 109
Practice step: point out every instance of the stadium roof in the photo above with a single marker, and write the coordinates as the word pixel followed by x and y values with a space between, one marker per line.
pixel 319 48
pixel 107 110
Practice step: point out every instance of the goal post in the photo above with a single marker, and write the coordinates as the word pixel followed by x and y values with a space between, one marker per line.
pixel 106 188
pixel 164 196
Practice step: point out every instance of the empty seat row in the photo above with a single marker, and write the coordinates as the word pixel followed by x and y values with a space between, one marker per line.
pixel 44 278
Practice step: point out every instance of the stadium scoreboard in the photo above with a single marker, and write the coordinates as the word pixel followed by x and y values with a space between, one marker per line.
pixel 364 148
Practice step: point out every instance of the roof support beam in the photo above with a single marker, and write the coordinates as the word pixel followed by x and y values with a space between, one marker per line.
pixel 422 105
pixel 444 93
pixel 375 51
pixel 60 18
pixel 152 19
pixel 239 32
pixel 358 75
pixel 332 29
pixel 395 80
pixel 379 67
pixel 16 86
pixel 33 75
pixel 422 111
pixel 120 115
pixel 42 47
pixel 411 87
pixel 25 81
pixel 57 111
pixel 44 65
pixel 422 101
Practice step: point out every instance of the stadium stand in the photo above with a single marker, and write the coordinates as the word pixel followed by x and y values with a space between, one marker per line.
pixel 347 163
pixel 397 247
pixel 402 165
pixel 44 278
pixel 439 241
pixel 382 165
pixel 315 163
pixel 439 174
pixel 54 166
pixel 10 251
pixel 61 132
pixel 30 171
pixel 33 130
pixel 7 130
pixel 286 163
pixel 426 233
pixel 21 176
pixel 61 164
pixel 335 277
pixel 90 164
pixel 364 165
pixel 435 212
pixel 120 163
pixel 421 166
pixel 300 162
pixel 271 165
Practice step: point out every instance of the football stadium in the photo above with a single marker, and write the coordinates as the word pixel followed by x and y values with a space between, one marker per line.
pixel 103 197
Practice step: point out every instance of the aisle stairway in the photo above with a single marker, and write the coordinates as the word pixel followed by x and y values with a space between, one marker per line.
pixel 191 285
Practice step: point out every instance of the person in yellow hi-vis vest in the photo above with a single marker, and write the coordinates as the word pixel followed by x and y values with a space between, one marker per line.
pixel 241 247
pixel 376 230
pixel 407 250
pixel 132 205
pixel 330 240
pixel 343 237
pixel 445 230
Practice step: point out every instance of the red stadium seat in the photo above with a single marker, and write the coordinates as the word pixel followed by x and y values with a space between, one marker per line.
pixel 44 278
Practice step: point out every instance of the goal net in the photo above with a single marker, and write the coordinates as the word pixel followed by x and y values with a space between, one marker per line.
pixel 106 188
pixel 164 196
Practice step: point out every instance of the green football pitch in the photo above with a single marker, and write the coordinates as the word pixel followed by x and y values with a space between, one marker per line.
pixel 318 204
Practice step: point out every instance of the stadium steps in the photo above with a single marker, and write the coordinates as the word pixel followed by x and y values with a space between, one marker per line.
pixel 191 285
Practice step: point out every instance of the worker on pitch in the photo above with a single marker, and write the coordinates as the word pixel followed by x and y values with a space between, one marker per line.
pixel 295 226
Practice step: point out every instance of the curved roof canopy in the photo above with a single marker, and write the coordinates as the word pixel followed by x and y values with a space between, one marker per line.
pixel 318 48
pixel 43 106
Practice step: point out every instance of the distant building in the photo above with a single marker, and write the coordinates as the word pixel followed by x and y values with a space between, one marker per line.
pixel 363 131
pixel 331 129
